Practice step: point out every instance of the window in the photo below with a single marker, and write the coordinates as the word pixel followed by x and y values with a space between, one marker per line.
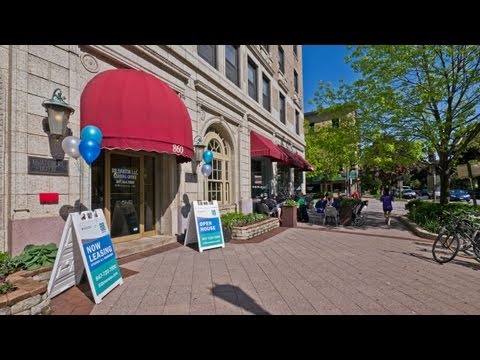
pixel 231 63
pixel 218 183
pixel 283 117
pixel 266 48
pixel 266 92
pixel 281 59
pixel 208 53
pixel 252 80
pixel 295 50
pixel 295 80
pixel 335 123
pixel 297 122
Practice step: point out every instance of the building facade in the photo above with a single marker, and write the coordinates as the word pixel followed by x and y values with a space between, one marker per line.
pixel 152 103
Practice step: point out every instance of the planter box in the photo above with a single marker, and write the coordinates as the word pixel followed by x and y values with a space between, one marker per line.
pixel 345 216
pixel 30 297
pixel 289 216
pixel 251 231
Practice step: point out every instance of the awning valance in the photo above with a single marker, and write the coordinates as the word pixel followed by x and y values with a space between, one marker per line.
pixel 137 111
pixel 296 160
pixel 261 146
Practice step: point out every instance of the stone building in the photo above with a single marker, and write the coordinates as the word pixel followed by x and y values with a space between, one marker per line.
pixel 244 102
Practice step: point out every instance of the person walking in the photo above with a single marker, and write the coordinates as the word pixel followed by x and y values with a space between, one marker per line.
pixel 387 200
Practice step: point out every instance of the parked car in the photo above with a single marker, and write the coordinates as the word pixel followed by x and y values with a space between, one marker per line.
pixel 409 194
pixel 459 195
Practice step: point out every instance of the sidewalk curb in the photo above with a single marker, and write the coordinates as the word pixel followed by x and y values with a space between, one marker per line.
pixel 416 229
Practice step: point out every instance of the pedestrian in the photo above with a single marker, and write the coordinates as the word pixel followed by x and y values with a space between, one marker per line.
pixel 387 200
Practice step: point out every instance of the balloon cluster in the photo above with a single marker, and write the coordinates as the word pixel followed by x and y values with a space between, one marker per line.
pixel 207 167
pixel 88 146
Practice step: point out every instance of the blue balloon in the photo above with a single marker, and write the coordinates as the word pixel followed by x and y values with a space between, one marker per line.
pixel 207 157
pixel 91 132
pixel 206 169
pixel 89 149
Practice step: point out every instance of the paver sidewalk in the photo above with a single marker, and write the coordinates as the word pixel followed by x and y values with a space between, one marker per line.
pixel 306 270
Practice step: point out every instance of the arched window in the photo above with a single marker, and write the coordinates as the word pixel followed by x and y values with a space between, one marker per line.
pixel 219 182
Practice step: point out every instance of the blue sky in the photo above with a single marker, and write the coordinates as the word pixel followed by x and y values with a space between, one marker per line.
pixel 323 62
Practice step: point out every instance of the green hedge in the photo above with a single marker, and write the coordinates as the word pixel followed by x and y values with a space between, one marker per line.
pixel 237 219
pixel 428 215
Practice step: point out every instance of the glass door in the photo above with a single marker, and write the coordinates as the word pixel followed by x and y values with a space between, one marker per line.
pixel 124 195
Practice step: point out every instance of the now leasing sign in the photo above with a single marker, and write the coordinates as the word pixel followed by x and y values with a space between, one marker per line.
pixel 86 244
pixel 205 226
pixel 97 252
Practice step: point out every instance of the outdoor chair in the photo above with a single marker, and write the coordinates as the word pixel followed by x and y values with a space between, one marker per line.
pixel 331 212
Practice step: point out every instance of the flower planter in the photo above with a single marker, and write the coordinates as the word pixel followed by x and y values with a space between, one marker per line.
pixel 345 216
pixel 289 216
pixel 251 231
pixel 30 297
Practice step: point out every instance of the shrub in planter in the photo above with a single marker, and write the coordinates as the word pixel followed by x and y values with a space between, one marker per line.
pixel 36 256
pixel 231 220
pixel 346 208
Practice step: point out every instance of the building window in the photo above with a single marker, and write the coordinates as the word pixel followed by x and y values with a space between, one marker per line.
pixel 252 80
pixel 281 59
pixel 266 92
pixel 295 50
pixel 283 117
pixel 208 53
pixel 266 48
pixel 297 122
pixel 218 183
pixel 295 81
pixel 231 63
pixel 335 123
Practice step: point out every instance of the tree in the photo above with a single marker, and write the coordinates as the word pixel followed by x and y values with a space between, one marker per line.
pixel 390 157
pixel 427 93
pixel 330 148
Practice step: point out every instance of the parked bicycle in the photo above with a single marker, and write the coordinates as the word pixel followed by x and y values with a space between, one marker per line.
pixel 456 234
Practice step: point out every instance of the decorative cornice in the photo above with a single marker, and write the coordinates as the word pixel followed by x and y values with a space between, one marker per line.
pixel 264 58
pixel 159 60
pixel 122 62
pixel 298 100
pixel 282 81
pixel 215 95
pixel 204 105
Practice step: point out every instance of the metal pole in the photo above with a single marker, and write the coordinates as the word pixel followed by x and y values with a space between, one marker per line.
pixel 80 184
pixel 434 181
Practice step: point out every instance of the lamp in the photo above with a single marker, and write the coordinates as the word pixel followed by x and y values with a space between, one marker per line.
pixel 198 153
pixel 58 113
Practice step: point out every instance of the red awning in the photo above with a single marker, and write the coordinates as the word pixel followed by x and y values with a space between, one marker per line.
pixel 137 111
pixel 261 146
pixel 296 160
pixel 306 165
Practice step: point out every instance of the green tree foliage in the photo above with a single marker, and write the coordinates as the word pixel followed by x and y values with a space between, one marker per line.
pixel 330 148
pixel 389 157
pixel 427 93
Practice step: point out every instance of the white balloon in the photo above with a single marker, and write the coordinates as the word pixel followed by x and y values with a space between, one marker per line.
pixel 70 146
pixel 206 169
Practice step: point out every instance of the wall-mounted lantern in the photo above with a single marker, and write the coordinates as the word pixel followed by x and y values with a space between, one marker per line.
pixel 58 113
pixel 198 153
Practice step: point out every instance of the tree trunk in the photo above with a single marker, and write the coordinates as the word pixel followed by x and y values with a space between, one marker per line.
pixel 444 178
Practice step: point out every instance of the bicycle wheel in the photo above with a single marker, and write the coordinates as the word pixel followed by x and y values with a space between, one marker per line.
pixel 359 221
pixel 445 247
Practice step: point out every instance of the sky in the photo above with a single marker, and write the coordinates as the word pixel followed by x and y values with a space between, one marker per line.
pixel 323 62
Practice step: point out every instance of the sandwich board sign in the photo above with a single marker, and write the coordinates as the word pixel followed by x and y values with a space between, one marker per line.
pixel 205 226
pixel 86 244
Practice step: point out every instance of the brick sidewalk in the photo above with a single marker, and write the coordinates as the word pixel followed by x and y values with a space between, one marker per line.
pixel 307 270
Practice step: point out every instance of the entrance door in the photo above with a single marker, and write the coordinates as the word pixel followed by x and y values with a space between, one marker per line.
pixel 130 193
